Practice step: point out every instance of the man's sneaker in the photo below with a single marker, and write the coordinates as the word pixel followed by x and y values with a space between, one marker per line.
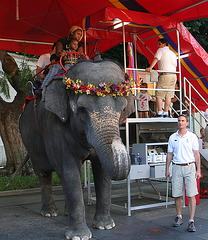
pixel 158 115
pixel 177 222
pixel 165 116
pixel 191 226
pixel 30 89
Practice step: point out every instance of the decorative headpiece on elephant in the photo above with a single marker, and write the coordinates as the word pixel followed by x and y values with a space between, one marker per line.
pixel 75 124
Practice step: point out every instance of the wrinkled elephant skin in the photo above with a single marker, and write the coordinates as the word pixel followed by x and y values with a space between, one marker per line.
pixel 72 128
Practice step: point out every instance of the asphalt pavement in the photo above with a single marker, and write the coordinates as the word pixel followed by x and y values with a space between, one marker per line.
pixel 20 218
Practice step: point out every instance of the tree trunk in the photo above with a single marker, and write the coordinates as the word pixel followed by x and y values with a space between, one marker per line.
pixel 9 131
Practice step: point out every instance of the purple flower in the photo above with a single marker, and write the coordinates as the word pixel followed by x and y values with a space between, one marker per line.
pixel 125 82
pixel 114 87
pixel 93 91
pixel 124 92
pixel 101 85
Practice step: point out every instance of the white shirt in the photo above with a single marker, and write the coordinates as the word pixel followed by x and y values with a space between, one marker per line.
pixel 143 101
pixel 167 60
pixel 43 60
pixel 183 147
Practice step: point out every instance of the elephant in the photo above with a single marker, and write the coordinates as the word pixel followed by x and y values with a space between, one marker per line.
pixel 66 127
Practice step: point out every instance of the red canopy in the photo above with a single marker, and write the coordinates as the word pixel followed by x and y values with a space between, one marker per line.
pixel 46 21
pixel 148 28
pixel 35 26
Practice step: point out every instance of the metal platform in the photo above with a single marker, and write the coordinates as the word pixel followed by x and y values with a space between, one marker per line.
pixel 151 129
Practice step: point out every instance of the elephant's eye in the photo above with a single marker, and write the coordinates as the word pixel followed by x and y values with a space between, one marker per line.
pixel 81 112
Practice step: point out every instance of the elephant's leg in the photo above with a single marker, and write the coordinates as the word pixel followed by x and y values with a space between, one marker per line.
pixel 48 206
pixel 71 179
pixel 102 219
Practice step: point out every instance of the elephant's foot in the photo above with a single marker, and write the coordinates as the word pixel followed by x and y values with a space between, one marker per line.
pixel 103 222
pixel 80 232
pixel 49 211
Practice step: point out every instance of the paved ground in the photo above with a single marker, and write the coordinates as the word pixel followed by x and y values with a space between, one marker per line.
pixel 20 219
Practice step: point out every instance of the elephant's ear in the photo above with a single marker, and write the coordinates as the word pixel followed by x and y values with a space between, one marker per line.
pixel 56 99
pixel 128 110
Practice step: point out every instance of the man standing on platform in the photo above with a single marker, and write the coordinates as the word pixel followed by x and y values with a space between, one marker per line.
pixel 167 62
pixel 183 151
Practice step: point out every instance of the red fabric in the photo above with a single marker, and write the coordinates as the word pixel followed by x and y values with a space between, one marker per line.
pixel 196 196
pixel 47 21
pixel 186 35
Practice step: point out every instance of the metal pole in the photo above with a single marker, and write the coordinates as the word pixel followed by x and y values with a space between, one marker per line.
pixel 128 179
pixel 135 58
pixel 190 112
pixel 143 39
pixel 85 174
pixel 85 43
pixel 24 41
pixel 179 68
pixel 167 193
pixel 17 10
pixel 186 8
pixel 135 50
pixel 194 119
pixel 124 46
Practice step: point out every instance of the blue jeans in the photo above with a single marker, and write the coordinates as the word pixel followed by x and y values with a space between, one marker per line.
pixel 54 69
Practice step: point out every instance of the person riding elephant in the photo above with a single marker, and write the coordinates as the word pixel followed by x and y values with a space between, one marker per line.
pixel 62 44
pixel 79 120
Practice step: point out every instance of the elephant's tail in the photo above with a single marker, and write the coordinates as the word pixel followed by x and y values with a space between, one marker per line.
pixel 17 171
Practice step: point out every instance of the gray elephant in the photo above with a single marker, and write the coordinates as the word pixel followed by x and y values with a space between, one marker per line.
pixel 70 126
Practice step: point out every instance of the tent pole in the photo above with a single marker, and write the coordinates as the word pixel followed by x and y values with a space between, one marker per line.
pixel 135 50
pixel 135 60
pixel 17 10
pixel 185 8
pixel 156 35
pixel 24 41
pixel 85 43
pixel 124 46
pixel 145 46
pixel 179 69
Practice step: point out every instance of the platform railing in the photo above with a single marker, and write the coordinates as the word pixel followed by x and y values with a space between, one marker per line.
pixel 188 97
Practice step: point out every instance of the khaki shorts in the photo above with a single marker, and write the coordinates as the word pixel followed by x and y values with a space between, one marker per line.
pixel 181 174
pixel 166 81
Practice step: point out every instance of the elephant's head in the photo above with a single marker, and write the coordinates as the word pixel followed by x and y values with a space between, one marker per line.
pixel 96 116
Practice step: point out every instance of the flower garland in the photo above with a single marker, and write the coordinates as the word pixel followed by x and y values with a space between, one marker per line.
pixel 103 89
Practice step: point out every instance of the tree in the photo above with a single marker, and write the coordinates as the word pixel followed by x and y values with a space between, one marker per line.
pixel 199 29
pixel 10 112
pixel 116 54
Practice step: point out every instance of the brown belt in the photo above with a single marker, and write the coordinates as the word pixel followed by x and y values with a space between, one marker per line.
pixel 183 164
pixel 166 73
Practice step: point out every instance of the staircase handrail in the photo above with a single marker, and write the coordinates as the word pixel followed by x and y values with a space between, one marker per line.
pixel 189 98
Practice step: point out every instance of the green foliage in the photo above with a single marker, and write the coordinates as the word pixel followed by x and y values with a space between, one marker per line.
pixel 116 54
pixel 4 86
pixel 27 182
pixel 199 29
pixel 26 74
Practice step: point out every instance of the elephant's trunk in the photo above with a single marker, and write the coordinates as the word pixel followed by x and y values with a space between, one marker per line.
pixel 121 159
pixel 107 143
